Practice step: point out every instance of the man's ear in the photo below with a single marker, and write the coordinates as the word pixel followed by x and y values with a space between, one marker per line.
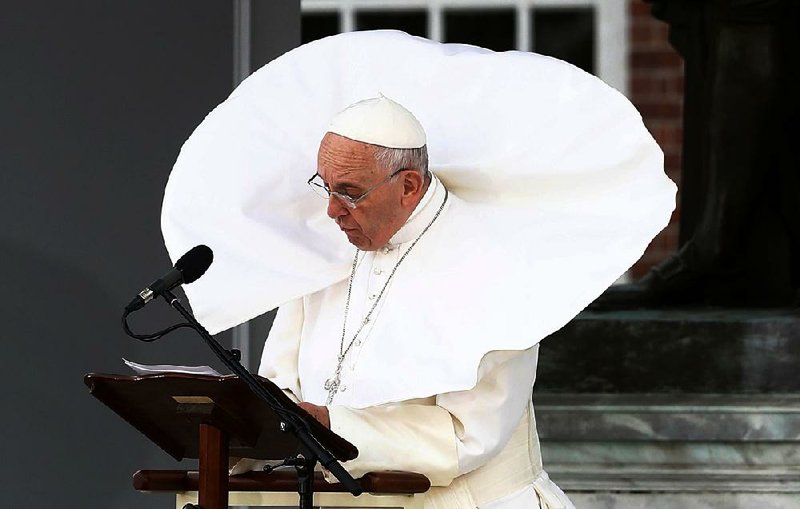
pixel 413 182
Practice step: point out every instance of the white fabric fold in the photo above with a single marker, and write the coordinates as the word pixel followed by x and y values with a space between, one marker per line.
pixel 556 189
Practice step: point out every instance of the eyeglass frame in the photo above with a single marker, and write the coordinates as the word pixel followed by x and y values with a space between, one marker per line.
pixel 348 200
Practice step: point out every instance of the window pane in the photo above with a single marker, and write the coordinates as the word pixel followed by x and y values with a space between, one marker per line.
pixel 564 33
pixel 491 28
pixel 413 22
pixel 316 25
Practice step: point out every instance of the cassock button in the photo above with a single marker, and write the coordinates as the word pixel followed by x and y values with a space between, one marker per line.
pixel 378 271
pixel 386 250
pixel 343 388
pixel 373 296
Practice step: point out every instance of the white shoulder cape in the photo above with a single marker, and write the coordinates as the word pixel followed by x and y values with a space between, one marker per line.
pixel 560 187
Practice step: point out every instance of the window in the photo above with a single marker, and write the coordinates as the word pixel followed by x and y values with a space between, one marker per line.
pixel 565 33
pixel 490 28
pixel 591 34
pixel 412 22
pixel 316 25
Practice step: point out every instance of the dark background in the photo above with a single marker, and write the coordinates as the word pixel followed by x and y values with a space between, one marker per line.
pixel 96 99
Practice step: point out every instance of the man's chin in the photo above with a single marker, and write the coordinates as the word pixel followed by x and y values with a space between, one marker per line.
pixel 357 239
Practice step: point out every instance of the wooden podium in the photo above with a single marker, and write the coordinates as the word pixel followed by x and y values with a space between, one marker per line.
pixel 213 418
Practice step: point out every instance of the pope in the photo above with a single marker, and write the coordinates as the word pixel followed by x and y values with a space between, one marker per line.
pixel 413 296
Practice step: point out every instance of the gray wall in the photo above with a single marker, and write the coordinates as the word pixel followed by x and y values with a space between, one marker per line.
pixel 95 100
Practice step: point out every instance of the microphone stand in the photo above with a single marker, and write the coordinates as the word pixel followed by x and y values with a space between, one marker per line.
pixel 291 421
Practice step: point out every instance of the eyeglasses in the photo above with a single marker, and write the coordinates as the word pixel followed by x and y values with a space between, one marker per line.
pixel 321 189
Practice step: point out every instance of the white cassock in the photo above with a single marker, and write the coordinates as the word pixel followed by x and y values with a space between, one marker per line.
pixel 478 447
pixel 555 188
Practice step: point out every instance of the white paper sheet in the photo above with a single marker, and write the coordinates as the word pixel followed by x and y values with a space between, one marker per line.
pixel 155 369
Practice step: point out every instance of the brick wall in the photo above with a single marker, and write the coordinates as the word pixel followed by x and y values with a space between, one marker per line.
pixel 656 88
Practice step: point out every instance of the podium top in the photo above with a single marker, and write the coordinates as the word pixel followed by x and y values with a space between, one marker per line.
pixel 168 409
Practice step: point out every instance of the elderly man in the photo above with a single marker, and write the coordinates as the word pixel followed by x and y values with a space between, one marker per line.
pixel 420 345
pixel 478 446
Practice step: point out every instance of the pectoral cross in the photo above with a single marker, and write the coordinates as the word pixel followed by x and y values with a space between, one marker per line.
pixel 333 383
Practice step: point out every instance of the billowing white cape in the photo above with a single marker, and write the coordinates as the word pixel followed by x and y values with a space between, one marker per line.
pixel 561 184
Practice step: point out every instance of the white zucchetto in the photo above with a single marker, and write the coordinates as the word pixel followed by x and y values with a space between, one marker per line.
pixel 379 121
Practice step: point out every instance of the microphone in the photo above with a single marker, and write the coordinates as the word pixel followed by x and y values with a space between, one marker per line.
pixel 188 269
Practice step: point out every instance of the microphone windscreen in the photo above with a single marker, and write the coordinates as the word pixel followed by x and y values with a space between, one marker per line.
pixel 195 262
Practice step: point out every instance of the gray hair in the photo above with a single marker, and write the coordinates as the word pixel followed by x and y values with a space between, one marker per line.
pixel 394 159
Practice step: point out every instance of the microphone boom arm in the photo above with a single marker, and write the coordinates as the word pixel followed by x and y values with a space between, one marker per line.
pixel 292 421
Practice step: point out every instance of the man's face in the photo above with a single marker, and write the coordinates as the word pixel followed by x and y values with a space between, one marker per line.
pixel 349 167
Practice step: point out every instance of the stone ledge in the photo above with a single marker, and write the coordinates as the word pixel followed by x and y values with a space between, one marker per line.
pixel 718 443
pixel 697 500
pixel 638 478
pixel 659 417
pixel 674 351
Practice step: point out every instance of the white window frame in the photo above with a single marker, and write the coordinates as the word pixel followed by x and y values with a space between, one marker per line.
pixel 611 24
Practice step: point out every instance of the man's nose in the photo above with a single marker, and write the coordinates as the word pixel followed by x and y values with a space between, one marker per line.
pixel 336 208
